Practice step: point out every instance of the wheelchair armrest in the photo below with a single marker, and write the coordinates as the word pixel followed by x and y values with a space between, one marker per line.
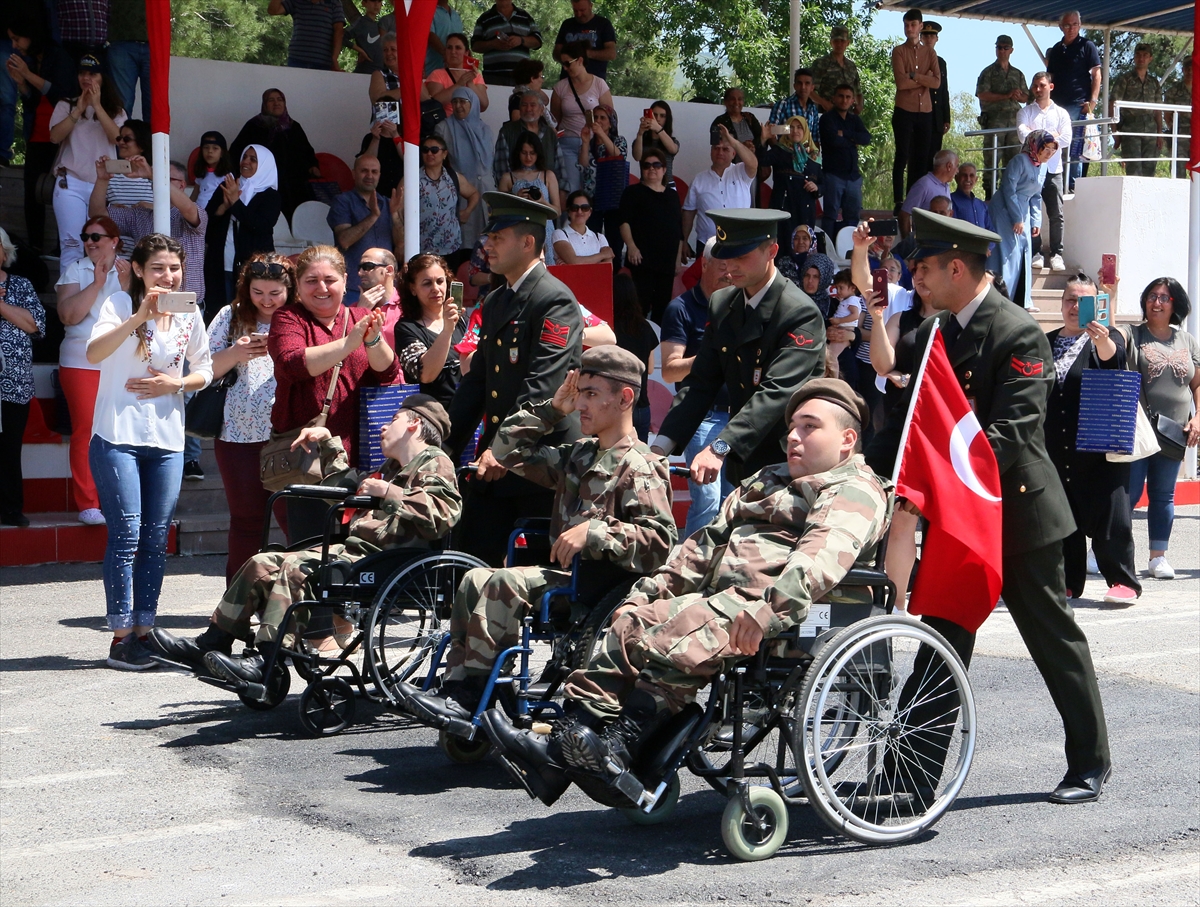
pixel 326 492
pixel 534 524
pixel 864 576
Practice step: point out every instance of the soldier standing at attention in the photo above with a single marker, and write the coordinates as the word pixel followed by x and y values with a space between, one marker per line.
pixel 765 338
pixel 930 31
pixel 1001 92
pixel 1137 84
pixel 612 507
pixel 1004 364
pixel 835 69
pixel 531 335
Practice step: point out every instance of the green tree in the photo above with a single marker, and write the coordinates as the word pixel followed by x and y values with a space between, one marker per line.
pixel 236 31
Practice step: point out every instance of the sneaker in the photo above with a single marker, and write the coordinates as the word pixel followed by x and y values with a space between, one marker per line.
pixel 129 654
pixel 1160 569
pixel 91 517
pixel 1038 262
pixel 192 471
pixel 1120 595
pixel 1057 263
pixel 1093 568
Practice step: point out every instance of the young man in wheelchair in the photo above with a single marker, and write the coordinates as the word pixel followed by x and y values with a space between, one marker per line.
pixel 419 503
pixel 612 507
pixel 783 540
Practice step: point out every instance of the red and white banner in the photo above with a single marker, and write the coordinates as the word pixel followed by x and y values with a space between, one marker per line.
pixel 158 34
pixel 413 19
pixel 948 470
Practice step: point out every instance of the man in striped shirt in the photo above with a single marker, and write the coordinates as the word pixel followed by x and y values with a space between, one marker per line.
pixel 505 35
pixel 316 31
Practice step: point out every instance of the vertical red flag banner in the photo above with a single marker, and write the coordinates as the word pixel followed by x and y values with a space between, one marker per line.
pixel 158 34
pixel 948 470
pixel 413 19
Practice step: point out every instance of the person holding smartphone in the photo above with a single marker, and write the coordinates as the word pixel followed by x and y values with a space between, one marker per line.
pixel 136 451
pixel 431 325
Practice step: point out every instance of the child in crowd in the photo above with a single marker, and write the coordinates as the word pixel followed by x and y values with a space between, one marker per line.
pixel 848 311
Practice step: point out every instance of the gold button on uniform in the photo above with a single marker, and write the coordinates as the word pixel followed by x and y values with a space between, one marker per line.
pixel 967 375
pixel 494 395
pixel 723 349
pixel 1022 488
pixel 498 341
pixel 496 419
pixel 497 368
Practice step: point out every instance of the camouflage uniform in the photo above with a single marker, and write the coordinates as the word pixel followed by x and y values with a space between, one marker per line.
pixel 1128 87
pixel 623 493
pixel 828 75
pixel 994 114
pixel 422 506
pixel 1179 92
pixel 777 546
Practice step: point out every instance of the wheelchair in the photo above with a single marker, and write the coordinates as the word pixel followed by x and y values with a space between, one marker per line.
pixel 560 635
pixel 368 621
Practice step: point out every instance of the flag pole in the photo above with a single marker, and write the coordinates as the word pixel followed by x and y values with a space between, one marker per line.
pixel 912 402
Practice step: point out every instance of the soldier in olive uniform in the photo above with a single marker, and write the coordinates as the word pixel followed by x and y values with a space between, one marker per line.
pixel 1137 85
pixel 1002 91
pixel 1005 367
pixel 784 539
pixel 531 335
pixel 1180 92
pixel 835 69
pixel 765 338
pixel 612 507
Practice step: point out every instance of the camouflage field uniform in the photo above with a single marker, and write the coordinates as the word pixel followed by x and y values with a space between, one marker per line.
pixel 422 506
pixel 1128 87
pixel 777 546
pixel 623 493
pixel 1179 92
pixel 828 75
pixel 994 114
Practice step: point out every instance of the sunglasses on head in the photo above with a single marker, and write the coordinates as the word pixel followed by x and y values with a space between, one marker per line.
pixel 272 270
pixel 431 149
pixel 93 237
pixel 579 207
pixel 370 265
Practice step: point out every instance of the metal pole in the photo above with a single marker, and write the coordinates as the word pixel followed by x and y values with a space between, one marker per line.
pixel 1193 321
pixel 794 39
pixel 1104 130
pixel 412 199
pixel 160 162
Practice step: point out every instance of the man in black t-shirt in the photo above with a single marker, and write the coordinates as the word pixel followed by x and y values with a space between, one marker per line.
pixel 595 30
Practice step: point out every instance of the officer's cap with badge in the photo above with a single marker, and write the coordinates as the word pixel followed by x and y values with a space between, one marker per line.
pixel 509 210
pixel 742 230
pixel 935 234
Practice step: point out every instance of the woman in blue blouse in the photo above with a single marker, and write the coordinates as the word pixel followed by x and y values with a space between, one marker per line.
pixel 1017 212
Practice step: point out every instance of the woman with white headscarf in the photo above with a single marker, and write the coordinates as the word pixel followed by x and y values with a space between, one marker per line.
pixel 471 147
pixel 251 206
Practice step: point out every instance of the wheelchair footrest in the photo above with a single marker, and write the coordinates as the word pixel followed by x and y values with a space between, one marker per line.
pixel 460 728
pixel 631 787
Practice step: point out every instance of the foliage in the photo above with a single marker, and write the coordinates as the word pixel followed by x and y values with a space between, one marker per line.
pixel 238 31
pixel 1166 49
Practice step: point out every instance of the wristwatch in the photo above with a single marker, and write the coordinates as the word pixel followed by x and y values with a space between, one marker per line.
pixel 720 447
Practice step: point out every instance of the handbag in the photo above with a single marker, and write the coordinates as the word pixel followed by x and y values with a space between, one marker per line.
pixel 1145 443
pixel 278 465
pixel 1171 436
pixel 1092 149
pixel 204 415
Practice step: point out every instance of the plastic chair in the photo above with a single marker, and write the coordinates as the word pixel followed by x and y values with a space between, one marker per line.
pixel 844 242
pixel 309 224
pixel 334 169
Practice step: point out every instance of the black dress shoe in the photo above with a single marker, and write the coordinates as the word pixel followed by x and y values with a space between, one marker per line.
pixel 188 652
pixel 246 668
pixel 1081 787
pixel 526 756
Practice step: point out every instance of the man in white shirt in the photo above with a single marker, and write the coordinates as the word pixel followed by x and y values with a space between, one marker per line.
pixel 724 185
pixel 1043 113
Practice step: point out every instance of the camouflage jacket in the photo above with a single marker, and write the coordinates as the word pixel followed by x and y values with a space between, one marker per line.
pixel 828 75
pixel 623 493
pixel 422 505
pixel 997 79
pixel 1179 92
pixel 1128 87
pixel 779 544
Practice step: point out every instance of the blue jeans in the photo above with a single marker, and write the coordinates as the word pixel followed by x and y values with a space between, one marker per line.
pixel 1076 166
pixel 705 499
pixel 841 194
pixel 571 180
pixel 138 489
pixel 8 103
pixel 129 61
pixel 1158 474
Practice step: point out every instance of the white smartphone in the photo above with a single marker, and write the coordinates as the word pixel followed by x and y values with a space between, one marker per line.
pixel 259 336
pixel 177 303
pixel 117 166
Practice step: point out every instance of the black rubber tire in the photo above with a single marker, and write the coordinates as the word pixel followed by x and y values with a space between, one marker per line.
pixel 596 623
pixel 464 751
pixel 327 707
pixel 663 809
pixel 277 689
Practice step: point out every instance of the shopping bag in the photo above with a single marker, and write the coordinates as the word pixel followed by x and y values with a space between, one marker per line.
pixel 1108 409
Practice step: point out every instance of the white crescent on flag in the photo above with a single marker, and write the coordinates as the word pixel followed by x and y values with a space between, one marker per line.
pixel 960 455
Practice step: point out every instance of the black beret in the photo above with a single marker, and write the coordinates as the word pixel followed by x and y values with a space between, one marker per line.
pixel 833 390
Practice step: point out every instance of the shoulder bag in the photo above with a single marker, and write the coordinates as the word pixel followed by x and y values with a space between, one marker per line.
pixel 204 414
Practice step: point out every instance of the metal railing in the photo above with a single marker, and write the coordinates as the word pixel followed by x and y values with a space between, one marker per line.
pixel 992 143
pixel 1173 134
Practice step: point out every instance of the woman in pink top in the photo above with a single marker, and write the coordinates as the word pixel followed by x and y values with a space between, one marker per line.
pixel 441 82
pixel 571 101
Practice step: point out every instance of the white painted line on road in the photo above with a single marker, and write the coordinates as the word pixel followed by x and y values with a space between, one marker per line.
pixel 1145 656
pixel 100 842
pixel 1089 618
pixel 42 780
pixel 18 730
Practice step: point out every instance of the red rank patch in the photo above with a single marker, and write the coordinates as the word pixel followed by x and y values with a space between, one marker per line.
pixel 1026 368
pixel 802 339
pixel 555 334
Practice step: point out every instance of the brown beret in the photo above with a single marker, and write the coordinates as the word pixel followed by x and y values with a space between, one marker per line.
pixel 834 390
pixel 610 361
pixel 429 409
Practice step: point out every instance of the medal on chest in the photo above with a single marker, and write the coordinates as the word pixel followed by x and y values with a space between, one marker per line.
pixel 513 355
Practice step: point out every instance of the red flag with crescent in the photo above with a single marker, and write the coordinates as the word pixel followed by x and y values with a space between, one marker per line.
pixel 413 18
pixel 948 470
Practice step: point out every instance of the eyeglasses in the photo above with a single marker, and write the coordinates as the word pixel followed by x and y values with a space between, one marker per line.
pixel 93 237
pixel 125 138
pixel 370 265
pixel 654 165
pixel 1158 297
pixel 579 207
pixel 272 270
pixel 432 149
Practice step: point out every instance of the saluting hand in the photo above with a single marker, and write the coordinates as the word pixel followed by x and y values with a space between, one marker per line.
pixel 565 396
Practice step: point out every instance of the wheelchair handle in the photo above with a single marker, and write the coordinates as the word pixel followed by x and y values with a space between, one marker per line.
pixel 680 470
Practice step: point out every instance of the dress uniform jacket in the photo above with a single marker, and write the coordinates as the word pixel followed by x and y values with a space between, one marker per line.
pixel 761 355
pixel 1004 365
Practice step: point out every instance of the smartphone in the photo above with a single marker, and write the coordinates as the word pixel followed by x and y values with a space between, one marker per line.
pixel 714 136
pixel 589 118
pixel 177 303
pixel 879 283
pixel 648 113
pixel 887 227
pixel 257 336
pixel 117 166
pixel 1094 308
pixel 456 293
pixel 782 129
pixel 1108 269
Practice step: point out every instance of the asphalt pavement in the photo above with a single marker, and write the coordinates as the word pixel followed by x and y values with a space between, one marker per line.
pixel 153 788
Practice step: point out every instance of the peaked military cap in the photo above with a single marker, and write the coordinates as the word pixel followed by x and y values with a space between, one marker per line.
pixel 929 27
pixel 431 410
pixel 741 230
pixel 832 390
pixel 935 233
pixel 509 210
pixel 1004 41
pixel 610 361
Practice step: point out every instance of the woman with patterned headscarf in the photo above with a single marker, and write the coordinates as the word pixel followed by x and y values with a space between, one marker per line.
pixel 795 161
pixel 275 129
pixel 1017 213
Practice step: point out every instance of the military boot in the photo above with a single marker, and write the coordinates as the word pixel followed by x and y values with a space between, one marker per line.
pixel 245 668
pixel 612 751
pixel 453 700
pixel 189 652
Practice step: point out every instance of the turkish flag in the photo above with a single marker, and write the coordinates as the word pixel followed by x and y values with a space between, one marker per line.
pixel 948 470
pixel 413 18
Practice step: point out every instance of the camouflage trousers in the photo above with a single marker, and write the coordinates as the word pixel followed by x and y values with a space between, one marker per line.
pixel 267 585
pixel 671 648
pixel 1135 146
pixel 488 609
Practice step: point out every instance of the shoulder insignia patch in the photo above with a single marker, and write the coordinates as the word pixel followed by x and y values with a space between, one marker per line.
pixel 1026 368
pixel 555 334
pixel 802 339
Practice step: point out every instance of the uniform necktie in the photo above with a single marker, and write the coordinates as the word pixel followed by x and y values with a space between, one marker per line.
pixel 952 330
pixel 737 314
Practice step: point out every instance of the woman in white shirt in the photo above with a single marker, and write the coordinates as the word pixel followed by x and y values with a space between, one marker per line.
pixel 237 339
pixel 81 289
pixel 575 244
pixel 136 451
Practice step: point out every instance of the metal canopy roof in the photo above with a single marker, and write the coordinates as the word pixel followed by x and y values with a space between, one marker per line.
pixel 1159 16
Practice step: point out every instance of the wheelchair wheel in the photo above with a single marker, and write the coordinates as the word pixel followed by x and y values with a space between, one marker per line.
pixel 663 809
pixel 407 615
pixel 327 706
pixel 592 632
pixel 886 723
pixel 277 689
pixel 741 832
pixel 464 751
